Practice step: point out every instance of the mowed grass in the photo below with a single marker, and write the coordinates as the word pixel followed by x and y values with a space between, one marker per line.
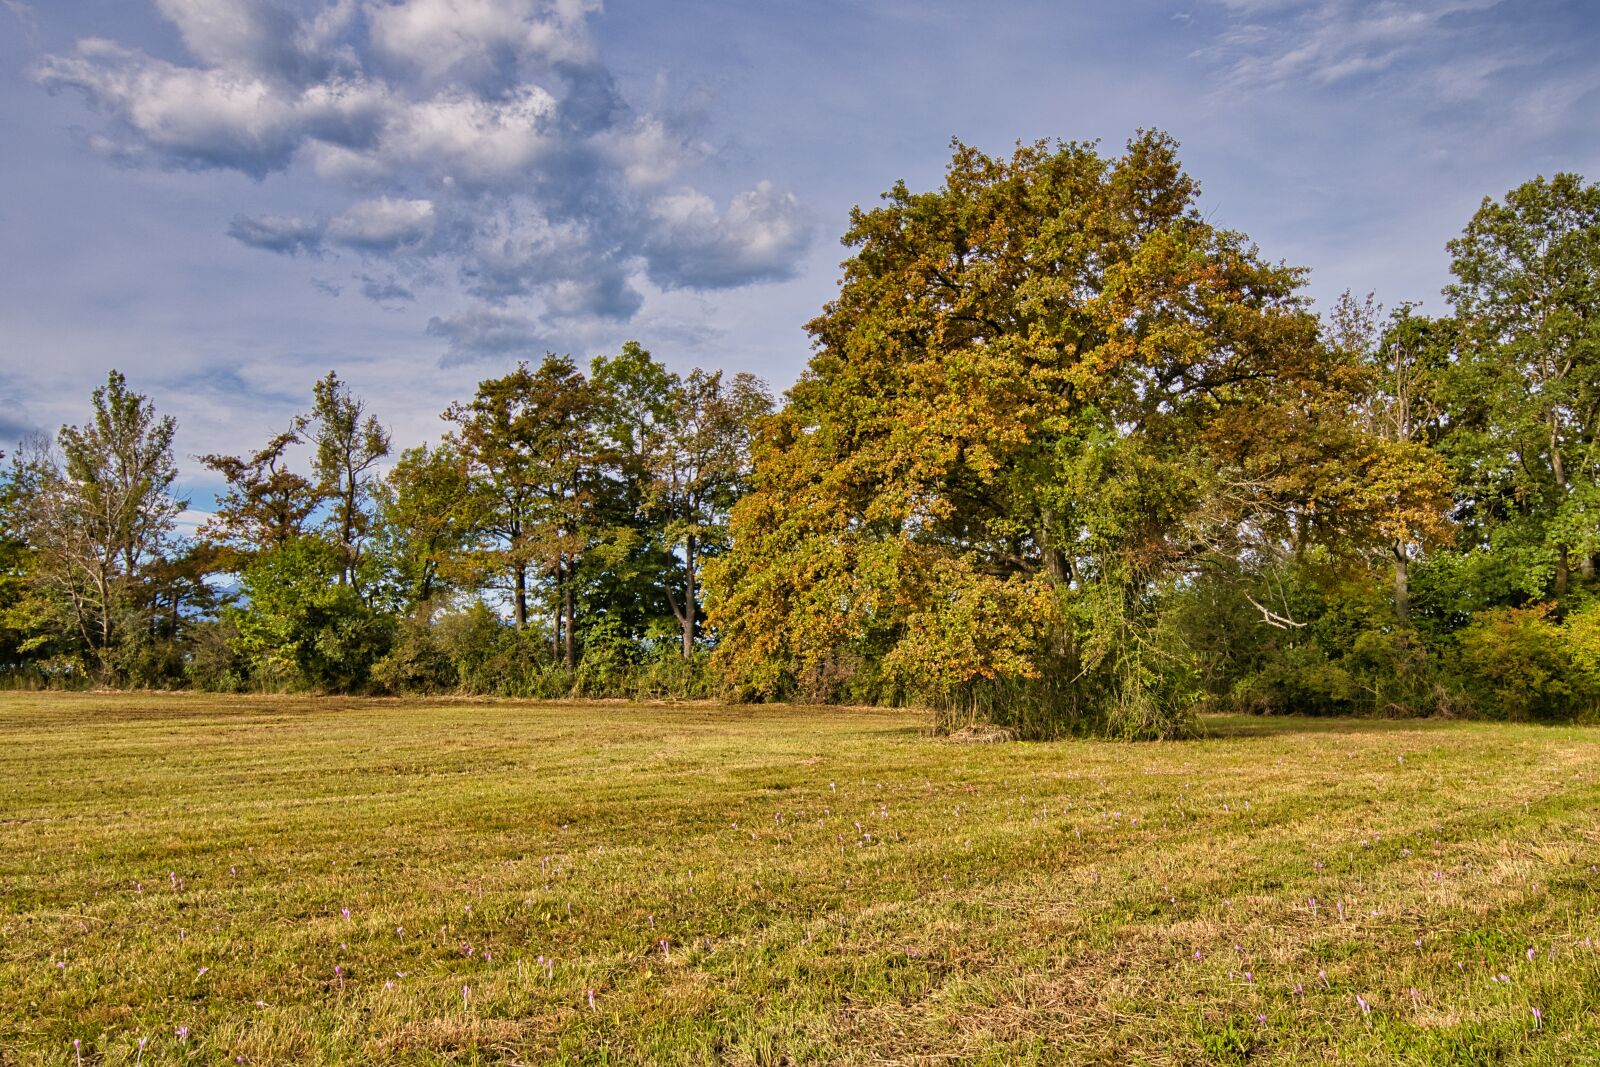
pixel 334 881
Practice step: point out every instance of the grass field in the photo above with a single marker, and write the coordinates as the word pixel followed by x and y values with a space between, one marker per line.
pixel 188 878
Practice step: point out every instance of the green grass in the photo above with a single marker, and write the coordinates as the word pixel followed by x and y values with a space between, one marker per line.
pixel 783 885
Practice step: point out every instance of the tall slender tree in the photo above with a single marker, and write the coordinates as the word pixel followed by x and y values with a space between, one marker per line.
pixel 347 444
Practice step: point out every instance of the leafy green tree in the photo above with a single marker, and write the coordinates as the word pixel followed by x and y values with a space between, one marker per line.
pixel 97 515
pixel 300 627
pixel 347 444
pixel 629 567
pixel 424 523
pixel 685 442
pixel 700 464
pixel 1526 393
pixel 528 440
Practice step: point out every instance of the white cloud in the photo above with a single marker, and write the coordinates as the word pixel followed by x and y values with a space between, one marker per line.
pixel 384 224
pixel 483 138
pixel 459 135
pixel 473 41
pixel 239 34
pixel 761 235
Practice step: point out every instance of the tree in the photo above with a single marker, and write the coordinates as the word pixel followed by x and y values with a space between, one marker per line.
pixel 300 626
pixel 266 505
pixel 1398 488
pixel 423 522
pixel 1045 392
pixel 97 515
pixel 687 441
pixel 700 466
pixel 1527 300
pixel 345 449
pixel 531 455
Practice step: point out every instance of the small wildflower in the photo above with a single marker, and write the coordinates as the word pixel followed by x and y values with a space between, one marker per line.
pixel 1538 1019
pixel 1366 1009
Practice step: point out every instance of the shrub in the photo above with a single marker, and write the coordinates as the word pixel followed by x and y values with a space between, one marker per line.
pixel 1518 663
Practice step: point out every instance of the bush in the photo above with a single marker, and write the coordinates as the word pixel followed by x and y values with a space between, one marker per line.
pixel 301 628
pixel 417 661
pixel 1519 663
pixel 216 662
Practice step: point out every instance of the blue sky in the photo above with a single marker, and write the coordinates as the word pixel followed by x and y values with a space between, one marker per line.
pixel 227 198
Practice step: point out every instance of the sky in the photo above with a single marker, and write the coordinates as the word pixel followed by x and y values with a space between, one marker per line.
pixel 226 199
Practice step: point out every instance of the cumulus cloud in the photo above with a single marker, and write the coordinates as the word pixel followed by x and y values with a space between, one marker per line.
pixel 277 233
pixel 760 236
pixel 486 333
pixel 385 224
pixel 483 139
pixel 487 43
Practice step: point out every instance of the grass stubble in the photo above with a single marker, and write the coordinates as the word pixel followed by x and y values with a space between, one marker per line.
pixel 187 878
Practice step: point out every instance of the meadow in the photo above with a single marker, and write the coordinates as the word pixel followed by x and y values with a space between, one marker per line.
pixel 192 878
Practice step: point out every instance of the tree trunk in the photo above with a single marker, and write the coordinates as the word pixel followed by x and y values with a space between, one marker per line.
pixel 1056 564
pixel 520 599
pixel 1558 467
pixel 1402 588
pixel 555 624
pixel 688 599
pixel 571 637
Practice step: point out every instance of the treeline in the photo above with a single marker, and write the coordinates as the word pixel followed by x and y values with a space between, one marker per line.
pixel 1067 458
pixel 549 545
